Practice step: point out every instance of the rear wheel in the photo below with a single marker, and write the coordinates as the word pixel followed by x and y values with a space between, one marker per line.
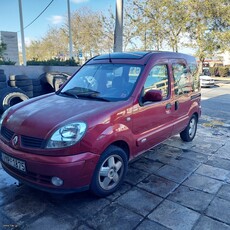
pixel 110 171
pixel 190 131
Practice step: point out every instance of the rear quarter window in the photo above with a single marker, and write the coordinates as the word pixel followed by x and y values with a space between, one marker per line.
pixel 195 76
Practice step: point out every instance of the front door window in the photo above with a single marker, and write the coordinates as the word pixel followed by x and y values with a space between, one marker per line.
pixel 158 79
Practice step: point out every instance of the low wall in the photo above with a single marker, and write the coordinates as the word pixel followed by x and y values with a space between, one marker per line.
pixel 36 71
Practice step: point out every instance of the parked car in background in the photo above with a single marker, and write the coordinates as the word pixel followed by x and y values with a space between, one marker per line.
pixel 114 108
pixel 206 81
pixel 206 71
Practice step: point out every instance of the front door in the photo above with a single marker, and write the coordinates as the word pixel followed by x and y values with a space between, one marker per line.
pixel 152 121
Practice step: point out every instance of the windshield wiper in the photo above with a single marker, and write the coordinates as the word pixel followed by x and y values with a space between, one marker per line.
pixel 92 95
pixel 88 94
pixel 69 93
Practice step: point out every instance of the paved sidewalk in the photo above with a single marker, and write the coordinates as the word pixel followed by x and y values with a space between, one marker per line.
pixel 177 186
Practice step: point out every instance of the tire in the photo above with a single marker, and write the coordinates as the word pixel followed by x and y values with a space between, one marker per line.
pixel 189 132
pixel 36 94
pixel 46 87
pixel 37 88
pixel 109 172
pixel 30 94
pixel 18 77
pixel 36 82
pixel 58 82
pixel 2 77
pixel 26 88
pixel 19 83
pixel 3 85
pixel 49 79
pixel 11 96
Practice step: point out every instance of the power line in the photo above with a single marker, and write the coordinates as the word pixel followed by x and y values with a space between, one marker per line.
pixel 39 14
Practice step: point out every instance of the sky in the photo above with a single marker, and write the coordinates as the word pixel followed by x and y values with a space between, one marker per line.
pixel 54 15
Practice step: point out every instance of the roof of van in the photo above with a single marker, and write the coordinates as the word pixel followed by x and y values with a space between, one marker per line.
pixel 139 57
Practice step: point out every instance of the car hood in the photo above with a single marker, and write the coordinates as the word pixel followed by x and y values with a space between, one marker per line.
pixel 39 117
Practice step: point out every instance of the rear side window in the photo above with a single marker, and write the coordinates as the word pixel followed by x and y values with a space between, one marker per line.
pixel 158 78
pixel 195 76
pixel 182 79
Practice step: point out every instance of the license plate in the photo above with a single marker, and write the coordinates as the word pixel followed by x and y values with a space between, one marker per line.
pixel 15 163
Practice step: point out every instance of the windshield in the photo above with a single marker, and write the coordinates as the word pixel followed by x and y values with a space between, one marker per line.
pixel 110 82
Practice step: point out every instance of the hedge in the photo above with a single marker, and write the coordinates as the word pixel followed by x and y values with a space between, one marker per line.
pixel 212 70
pixel 3 62
pixel 53 62
pixel 223 71
pixel 220 71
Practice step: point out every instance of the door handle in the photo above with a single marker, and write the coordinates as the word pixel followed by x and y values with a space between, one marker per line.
pixel 168 106
pixel 177 105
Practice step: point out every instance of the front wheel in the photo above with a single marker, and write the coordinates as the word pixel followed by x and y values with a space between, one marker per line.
pixel 110 171
pixel 190 131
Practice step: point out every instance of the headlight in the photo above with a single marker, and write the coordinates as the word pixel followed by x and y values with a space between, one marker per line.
pixel 67 135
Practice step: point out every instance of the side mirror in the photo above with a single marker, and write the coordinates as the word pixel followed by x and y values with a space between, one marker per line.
pixel 153 95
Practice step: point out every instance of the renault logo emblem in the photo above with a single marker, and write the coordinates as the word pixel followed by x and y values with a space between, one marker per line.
pixel 15 140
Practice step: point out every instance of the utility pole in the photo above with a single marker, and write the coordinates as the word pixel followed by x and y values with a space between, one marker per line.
pixel 22 33
pixel 70 32
pixel 118 35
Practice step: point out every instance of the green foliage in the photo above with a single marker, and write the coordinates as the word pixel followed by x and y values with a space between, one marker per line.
pixel 220 71
pixel 223 71
pixel 53 62
pixel 208 26
pixel 202 25
pixel 4 62
pixel 212 70
pixel 161 23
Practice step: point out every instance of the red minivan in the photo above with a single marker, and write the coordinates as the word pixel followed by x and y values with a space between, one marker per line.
pixel 114 108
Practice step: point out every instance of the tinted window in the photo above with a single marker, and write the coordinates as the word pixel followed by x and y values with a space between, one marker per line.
pixel 158 79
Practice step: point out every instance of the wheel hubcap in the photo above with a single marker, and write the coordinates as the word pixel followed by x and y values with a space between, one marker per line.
pixel 192 127
pixel 111 172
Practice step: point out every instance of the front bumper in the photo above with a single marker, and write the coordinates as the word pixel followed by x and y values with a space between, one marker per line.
pixel 207 83
pixel 76 171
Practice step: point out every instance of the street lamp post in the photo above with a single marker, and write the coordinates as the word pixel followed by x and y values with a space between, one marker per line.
pixel 22 33
pixel 70 32
pixel 118 35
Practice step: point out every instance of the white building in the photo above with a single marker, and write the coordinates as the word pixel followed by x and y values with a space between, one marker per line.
pixel 225 57
pixel 11 41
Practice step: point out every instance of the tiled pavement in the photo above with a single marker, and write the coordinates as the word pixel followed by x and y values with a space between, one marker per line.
pixel 173 186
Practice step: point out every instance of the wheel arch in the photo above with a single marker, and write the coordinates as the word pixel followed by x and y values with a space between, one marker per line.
pixel 123 145
pixel 196 114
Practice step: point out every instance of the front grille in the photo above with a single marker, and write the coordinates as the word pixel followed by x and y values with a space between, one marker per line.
pixel 6 133
pixel 32 142
pixel 26 141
